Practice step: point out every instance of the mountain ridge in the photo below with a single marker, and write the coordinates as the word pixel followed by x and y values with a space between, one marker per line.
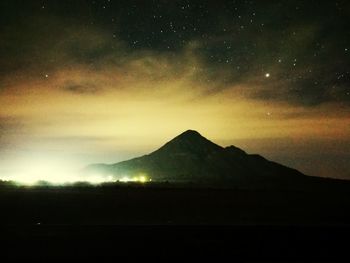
pixel 190 157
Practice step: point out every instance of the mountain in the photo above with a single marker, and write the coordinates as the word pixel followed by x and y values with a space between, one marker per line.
pixel 190 157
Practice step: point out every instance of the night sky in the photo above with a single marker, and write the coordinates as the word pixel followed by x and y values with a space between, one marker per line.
pixel 103 81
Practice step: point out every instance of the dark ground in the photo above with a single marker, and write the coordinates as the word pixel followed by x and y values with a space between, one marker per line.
pixel 114 221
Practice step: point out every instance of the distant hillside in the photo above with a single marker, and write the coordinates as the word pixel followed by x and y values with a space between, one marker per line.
pixel 190 157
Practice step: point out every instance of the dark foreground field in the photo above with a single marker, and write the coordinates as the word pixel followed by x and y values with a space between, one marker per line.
pixel 87 222
pixel 149 205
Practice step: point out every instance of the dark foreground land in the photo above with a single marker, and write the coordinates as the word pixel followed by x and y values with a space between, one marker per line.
pixel 168 205
pixel 166 221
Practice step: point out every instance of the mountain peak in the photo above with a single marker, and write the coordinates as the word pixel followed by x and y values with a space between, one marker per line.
pixel 193 158
pixel 190 133
pixel 190 141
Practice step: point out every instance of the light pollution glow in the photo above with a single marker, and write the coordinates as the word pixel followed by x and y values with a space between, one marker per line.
pixel 53 173
pixel 118 110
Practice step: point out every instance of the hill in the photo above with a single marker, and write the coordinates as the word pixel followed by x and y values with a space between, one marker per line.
pixel 190 157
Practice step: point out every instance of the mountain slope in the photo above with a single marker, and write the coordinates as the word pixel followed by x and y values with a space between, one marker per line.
pixel 191 157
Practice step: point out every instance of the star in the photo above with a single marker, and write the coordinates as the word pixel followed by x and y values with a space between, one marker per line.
pixel 267 75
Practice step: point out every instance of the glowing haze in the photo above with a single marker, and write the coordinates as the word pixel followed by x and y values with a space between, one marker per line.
pixel 76 90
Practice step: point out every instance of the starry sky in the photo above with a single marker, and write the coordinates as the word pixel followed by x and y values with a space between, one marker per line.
pixel 103 81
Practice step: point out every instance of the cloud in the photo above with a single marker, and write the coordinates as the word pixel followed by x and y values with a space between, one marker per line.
pixel 80 88
pixel 67 80
pixel 238 57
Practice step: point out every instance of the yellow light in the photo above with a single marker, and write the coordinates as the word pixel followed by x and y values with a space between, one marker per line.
pixel 142 179
pixel 56 178
pixel 125 179
pixel 34 172
pixel 137 179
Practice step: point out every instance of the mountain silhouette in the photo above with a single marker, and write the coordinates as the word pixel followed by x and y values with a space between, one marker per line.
pixel 190 157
